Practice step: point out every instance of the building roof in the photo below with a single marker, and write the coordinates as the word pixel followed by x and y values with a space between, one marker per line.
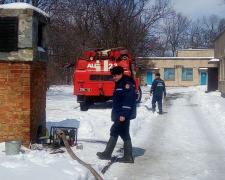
pixel 174 58
pixel 214 61
pixel 20 5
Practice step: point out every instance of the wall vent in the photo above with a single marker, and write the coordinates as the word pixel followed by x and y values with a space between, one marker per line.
pixel 8 34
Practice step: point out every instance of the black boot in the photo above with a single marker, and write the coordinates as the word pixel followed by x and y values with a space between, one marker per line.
pixel 127 158
pixel 108 150
pixel 153 108
pixel 160 111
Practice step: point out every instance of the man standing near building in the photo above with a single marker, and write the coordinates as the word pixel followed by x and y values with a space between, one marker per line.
pixel 124 109
pixel 158 89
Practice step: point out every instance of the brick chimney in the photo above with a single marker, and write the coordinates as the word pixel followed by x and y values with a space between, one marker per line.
pixel 23 57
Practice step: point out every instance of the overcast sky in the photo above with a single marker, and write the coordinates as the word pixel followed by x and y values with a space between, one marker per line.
pixel 199 8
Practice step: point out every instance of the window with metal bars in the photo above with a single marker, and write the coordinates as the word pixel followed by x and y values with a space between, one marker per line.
pixel 169 74
pixel 187 74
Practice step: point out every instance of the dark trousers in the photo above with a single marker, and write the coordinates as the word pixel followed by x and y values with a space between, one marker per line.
pixel 157 99
pixel 121 129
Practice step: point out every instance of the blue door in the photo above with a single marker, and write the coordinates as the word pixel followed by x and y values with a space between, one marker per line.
pixel 149 78
pixel 203 78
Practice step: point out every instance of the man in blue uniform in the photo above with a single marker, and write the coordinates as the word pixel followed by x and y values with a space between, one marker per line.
pixel 124 109
pixel 158 89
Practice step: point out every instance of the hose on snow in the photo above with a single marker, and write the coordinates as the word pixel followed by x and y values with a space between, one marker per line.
pixel 73 156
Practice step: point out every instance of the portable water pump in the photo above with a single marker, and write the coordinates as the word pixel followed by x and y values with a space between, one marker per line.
pixel 70 133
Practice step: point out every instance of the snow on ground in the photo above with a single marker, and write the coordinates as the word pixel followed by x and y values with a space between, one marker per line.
pixel 93 133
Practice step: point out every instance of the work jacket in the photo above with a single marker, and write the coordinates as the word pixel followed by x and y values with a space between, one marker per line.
pixel 124 99
pixel 158 87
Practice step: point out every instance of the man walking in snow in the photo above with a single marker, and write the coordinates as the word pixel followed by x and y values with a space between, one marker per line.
pixel 124 109
pixel 158 89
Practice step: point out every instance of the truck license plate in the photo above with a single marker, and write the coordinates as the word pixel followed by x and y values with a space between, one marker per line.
pixel 85 89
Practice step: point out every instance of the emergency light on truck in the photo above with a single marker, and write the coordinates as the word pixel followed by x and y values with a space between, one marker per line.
pixel 93 55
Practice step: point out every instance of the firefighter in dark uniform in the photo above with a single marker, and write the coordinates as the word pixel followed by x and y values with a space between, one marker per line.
pixel 158 89
pixel 124 109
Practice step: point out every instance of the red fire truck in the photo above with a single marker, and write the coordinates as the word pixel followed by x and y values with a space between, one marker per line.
pixel 92 79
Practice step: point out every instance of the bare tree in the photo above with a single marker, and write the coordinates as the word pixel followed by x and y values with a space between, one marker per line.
pixel 62 41
pixel 211 28
pixel 82 24
pixel 129 22
pixel 195 38
pixel 202 32
pixel 175 30
pixel 84 20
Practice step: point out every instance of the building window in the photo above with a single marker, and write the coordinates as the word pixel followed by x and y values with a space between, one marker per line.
pixel 8 34
pixel 169 73
pixel 41 27
pixel 187 74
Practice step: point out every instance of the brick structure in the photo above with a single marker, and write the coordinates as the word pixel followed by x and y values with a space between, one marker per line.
pixel 23 73
pixel 22 98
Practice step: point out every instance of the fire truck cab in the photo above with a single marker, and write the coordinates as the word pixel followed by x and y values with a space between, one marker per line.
pixel 92 79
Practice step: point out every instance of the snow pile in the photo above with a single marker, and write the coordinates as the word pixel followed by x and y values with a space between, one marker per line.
pixel 213 104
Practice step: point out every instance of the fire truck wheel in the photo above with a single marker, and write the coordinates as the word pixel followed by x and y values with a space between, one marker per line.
pixel 139 95
pixel 84 106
